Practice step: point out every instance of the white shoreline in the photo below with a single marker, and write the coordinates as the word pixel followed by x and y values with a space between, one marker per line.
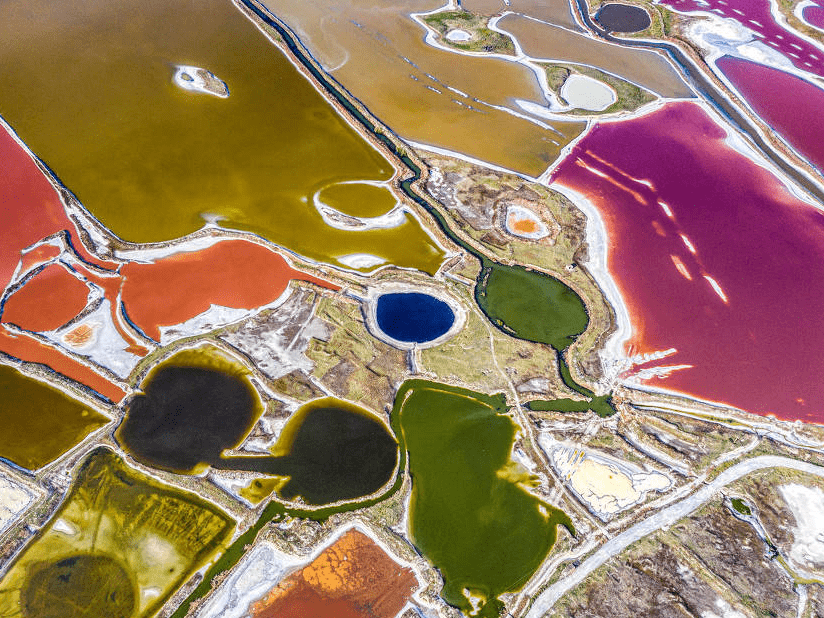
pixel 370 313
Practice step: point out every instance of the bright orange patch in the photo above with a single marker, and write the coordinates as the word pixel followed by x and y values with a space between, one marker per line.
pixel 231 273
pixel 79 335
pixel 353 578
pixel 38 255
pixel 524 226
pixel 30 349
pixel 48 300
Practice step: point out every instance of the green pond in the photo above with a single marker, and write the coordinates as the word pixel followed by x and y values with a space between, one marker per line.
pixel 531 305
pixel 471 514
pixel 601 405
pixel 95 99
pixel 40 423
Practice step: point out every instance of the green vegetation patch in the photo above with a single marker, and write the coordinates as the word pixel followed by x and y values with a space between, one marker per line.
pixel 629 96
pixel 40 423
pixel 739 505
pixel 119 546
pixel 482 39
pixel 470 512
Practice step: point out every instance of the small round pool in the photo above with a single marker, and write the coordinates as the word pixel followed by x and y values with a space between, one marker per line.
pixel 413 317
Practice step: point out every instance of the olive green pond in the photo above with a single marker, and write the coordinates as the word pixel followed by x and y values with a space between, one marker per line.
pixel 471 513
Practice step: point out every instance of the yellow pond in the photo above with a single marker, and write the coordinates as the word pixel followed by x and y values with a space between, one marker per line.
pixel 119 545
pixel 154 158
pixel 40 423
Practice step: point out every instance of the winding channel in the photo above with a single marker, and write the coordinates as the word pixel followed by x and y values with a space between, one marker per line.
pixel 666 517
pixel 710 92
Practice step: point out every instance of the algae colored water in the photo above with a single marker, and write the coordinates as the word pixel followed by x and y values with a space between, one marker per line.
pixel 601 405
pixel 153 161
pixel 531 305
pixel 358 199
pixel 470 513
pixel 329 450
pixel 40 423
pixel 120 544
pixel 193 406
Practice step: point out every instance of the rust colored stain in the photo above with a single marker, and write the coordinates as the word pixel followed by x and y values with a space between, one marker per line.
pixel 353 578
pixel 79 335
pixel 47 300
pixel 232 273
pixel 29 349
pixel 524 226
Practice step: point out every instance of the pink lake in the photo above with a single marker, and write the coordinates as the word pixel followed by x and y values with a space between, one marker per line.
pixel 788 104
pixel 756 15
pixel 814 15
pixel 713 256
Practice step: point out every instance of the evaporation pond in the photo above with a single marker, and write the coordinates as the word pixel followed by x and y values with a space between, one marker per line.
pixel 330 450
pixel 622 18
pixel 119 545
pixel 193 407
pixel 358 199
pixel 471 514
pixel 531 305
pixel 174 158
pixel 413 317
pixel 200 403
pixel 40 423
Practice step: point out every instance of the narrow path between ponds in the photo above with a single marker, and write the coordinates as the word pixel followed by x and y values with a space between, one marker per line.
pixel 343 97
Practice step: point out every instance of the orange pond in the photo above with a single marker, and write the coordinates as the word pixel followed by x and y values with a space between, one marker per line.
pixel 523 226
pixel 27 348
pixel 231 273
pixel 168 291
pixel 353 578
pixel 46 301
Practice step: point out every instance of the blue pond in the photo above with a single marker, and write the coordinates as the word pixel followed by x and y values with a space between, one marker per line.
pixel 413 317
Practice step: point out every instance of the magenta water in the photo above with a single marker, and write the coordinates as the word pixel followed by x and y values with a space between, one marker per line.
pixel 714 257
pixel 756 15
pixel 814 15
pixel 790 105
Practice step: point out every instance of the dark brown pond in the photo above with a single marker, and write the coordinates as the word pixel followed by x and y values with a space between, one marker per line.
pixel 198 404
pixel 622 18
pixel 331 450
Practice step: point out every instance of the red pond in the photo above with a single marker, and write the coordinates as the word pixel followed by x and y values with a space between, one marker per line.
pixel 788 104
pixel 714 257
pixel 233 273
